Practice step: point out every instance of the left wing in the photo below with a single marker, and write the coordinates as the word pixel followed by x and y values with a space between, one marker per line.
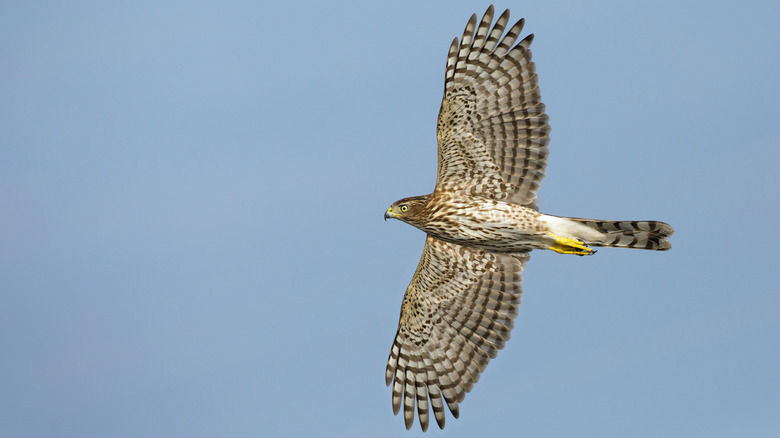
pixel 456 314
pixel 492 129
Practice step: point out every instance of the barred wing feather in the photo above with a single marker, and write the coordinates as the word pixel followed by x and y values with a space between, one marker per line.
pixel 457 313
pixel 492 129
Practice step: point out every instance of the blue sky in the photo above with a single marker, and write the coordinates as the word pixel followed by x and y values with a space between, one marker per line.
pixel 191 233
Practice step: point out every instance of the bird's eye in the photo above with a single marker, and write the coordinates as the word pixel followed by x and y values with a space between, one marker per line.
pixel 404 208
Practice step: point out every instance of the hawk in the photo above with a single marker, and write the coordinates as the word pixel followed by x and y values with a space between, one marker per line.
pixel 482 221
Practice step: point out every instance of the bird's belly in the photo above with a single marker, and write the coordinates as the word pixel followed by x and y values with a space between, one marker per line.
pixel 504 228
pixel 496 240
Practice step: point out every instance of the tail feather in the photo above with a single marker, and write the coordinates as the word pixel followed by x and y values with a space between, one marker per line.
pixel 653 235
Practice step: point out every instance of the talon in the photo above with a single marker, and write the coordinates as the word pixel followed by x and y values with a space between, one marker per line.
pixel 565 245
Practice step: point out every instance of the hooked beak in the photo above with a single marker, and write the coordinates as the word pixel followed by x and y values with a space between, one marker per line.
pixel 389 214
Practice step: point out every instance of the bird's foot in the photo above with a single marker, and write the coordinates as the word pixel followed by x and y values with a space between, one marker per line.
pixel 565 245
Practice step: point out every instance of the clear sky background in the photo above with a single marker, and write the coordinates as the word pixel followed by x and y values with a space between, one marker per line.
pixel 191 233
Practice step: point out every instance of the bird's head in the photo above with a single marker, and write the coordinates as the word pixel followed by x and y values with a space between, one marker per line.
pixel 409 210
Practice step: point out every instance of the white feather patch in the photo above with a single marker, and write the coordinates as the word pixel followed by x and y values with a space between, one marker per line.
pixel 563 227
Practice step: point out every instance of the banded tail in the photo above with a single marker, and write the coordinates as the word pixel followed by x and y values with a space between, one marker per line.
pixel 653 235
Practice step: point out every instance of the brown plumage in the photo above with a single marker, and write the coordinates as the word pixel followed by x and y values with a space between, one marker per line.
pixel 482 221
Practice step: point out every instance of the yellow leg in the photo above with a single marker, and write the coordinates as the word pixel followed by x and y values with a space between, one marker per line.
pixel 565 245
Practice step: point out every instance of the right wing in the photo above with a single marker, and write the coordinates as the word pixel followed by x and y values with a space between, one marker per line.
pixel 456 314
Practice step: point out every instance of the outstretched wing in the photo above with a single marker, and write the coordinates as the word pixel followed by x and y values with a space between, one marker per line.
pixel 456 314
pixel 492 130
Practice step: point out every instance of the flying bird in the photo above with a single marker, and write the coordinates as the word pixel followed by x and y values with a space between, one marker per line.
pixel 482 221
